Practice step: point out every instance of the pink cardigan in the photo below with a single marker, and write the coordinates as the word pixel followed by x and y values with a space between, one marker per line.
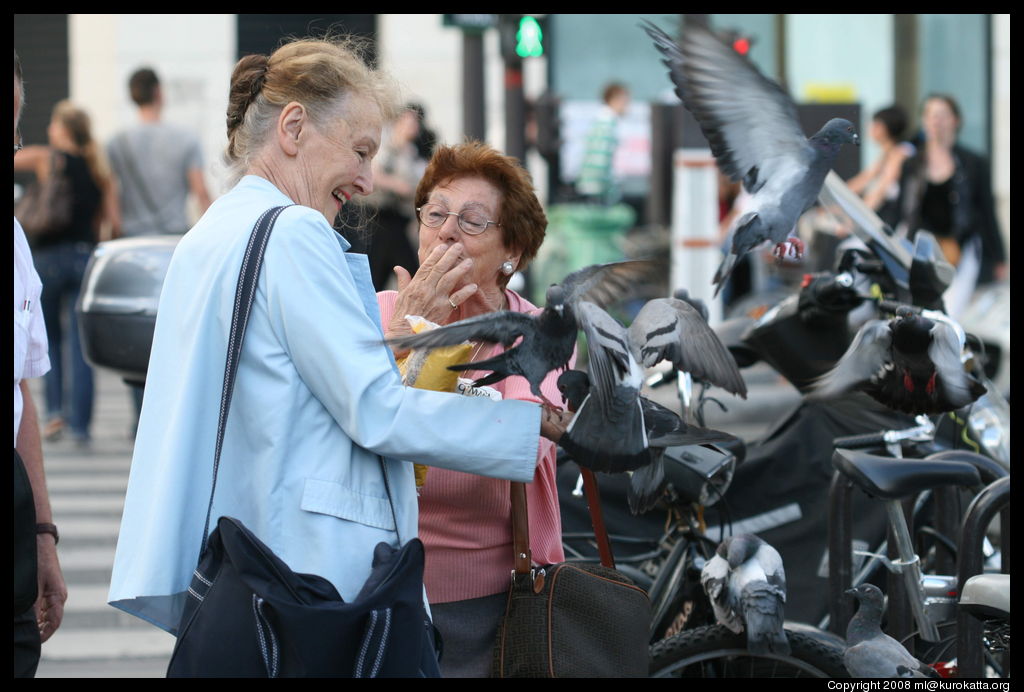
pixel 465 519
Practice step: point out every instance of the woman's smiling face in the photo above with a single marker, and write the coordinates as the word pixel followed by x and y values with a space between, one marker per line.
pixel 336 157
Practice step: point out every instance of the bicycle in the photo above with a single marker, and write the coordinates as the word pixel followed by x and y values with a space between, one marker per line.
pixel 929 600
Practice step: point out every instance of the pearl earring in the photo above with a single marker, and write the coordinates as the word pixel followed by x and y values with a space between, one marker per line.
pixel 507 268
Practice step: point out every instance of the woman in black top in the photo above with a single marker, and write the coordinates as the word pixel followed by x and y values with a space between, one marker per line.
pixel 61 256
pixel 947 190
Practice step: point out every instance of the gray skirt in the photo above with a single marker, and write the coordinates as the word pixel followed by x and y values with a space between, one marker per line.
pixel 468 633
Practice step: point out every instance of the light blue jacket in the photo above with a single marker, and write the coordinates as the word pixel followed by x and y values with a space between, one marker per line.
pixel 317 398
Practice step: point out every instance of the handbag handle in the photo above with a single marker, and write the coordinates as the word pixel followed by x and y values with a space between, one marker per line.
pixel 521 523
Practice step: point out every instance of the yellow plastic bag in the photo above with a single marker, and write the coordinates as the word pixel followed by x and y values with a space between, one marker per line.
pixel 429 370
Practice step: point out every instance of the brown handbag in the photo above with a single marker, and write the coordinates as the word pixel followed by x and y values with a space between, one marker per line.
pixel 571 619
pixel 45 208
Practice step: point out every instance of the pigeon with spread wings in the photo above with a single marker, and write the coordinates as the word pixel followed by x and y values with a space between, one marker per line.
pixel 548 338
pixel 755 136
pixel 609 432
pixel 911 363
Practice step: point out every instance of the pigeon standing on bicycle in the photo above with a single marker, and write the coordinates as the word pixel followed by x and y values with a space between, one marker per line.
pixel 870 652
pixel 752 127
pixel 746 583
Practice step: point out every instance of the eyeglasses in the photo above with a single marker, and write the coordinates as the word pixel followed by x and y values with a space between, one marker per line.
pixel 471 222
pixel 19 146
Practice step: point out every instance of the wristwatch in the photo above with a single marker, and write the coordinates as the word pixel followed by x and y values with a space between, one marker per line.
pixel 50 529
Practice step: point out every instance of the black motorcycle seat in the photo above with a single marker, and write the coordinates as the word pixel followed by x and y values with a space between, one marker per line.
pixel 892 479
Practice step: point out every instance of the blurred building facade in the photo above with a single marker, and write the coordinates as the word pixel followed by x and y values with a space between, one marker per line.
pixel 873 60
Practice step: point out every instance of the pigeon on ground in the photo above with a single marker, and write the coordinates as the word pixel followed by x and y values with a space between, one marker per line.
pixel 746 584
pixel 911 363
pixel 548 338
pixel 609 432
pixel 663 429
pixel 755 136
pixel 871 653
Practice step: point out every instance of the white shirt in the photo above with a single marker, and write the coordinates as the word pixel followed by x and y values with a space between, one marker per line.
pixel 31 358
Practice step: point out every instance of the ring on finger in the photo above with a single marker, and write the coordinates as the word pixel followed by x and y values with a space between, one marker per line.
pixel 452 303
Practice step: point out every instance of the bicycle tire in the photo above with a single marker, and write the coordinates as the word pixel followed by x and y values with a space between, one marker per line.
pixel 716 651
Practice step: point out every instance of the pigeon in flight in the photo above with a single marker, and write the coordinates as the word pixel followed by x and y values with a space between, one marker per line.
pixel 911 363
pixel 548 338
pixel 746 584
pixel 643 434
pixel 609 432
pixel 755 136
pixel 871 653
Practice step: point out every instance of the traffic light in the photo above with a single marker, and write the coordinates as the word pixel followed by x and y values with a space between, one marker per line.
pixel 529 38
pixel 741 43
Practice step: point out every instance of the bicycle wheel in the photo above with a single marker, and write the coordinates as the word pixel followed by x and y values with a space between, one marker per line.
pixel 715 651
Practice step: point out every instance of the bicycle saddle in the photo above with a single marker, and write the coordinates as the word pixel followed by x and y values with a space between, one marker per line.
pixel 987 595
pixel 892 479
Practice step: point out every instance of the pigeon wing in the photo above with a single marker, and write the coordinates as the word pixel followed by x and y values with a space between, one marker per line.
pixel 672 329
pixel 608 346
pixel 868 353
pixel 749 121
pixel 945 351
pixel 497 327
pixel 604 284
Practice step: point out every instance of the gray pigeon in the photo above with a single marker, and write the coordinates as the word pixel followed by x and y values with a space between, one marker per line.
pixel 752 127
pixel 870 652
pixel 625 438
pixel 910 363
pixel 548 338
pixel 746 583
pixel 608 432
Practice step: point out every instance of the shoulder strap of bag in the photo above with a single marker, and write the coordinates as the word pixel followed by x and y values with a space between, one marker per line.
pixel 521 523
pixel 245 296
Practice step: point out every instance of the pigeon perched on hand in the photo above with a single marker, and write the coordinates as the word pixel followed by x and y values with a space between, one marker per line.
pixel 911 363
pixel 870 652
pixel 755 136
pixel 548 338
pixel 653 430
pixel 746 584
pixel 609 432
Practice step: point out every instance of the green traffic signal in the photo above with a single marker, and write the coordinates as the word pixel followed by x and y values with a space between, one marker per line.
pixel 529 38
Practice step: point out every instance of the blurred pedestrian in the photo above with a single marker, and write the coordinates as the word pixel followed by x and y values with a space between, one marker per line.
pixel 39 589
pixel 947 190
pixel 157 166
pixel 879 183
pixel 397 170
pixel 61 255
pixel 596 180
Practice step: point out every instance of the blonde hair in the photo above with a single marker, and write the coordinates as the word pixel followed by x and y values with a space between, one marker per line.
pixel 79 127
pixel 318 73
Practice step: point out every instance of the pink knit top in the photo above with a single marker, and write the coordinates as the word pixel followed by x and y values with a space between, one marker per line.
pixel 466 521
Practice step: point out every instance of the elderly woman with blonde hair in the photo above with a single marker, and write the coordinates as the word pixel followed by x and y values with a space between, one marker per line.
pixel 321 429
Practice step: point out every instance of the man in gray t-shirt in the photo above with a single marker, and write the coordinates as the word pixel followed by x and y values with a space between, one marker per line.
pixel 157 165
